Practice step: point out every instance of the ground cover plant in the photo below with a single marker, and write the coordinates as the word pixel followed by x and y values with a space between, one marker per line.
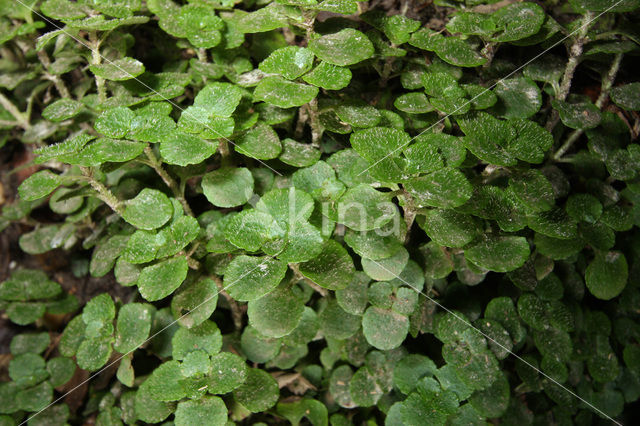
pixel 319 212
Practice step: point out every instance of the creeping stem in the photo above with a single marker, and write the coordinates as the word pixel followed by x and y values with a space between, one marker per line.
pixel 103 192
pixel 575 52
pixel 607 83
pixel 156 165
pixel 96 59
pixel 21 119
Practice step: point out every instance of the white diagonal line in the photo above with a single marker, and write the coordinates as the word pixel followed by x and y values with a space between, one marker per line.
pixel 183 110
pixel 491 87
pixel 464 321
pixel 146 341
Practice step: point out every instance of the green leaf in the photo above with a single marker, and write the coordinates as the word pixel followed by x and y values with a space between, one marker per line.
pixel 531 143
pixel 364 390
pixel 163 278
pixel 119 69
pixel 339 386
pixel 413 103
pixel 105 254
pixel 194 302
pixel 517 21
pixel 335 323
pixel 94 353
pixel 39 185
pixel 228 371
pixel 488 138
pixel 132 326
pixel 249 278
pixel 60 370
pixel 626 96
pixel 410 370
pixel 183 149
pixel 276 314
pixel 150 209
pixel 384 329
pixel 62 109
pixel 206 410
pixel 259 392
pixel 291 62
pixel 100 309
pixel 304 242
pixel 298 154
pixel 312 409
pixel 28 284
pixel 164 383
pixel 554 223
pixel 450 228
pixel 27 369
pixel 328 76
pixel 283 93
pixel 584 207
pixel 445 188
pixel 470 23
pixel 218 99
pixel 493 401
pixel 353 299
pixel 519 97
pixel 29 342
pixel 332 268
pixel 227 187
pixel 388 268
pixel 602 5
pixel 346 47
pixel 358 114
pixel 533 191
pixel 319 181
pixel 204 337
pixel 178 235
pixel 434 151
pixel 35 398
pixel 433 406
pixel 148 409
pixel 251 229
pixel 363 208
pixel 115 122
pixel 584 115
pixel 499 253
pixel 268 18
pixel 288 206
pixel 452 50
pixel 260 142
pixel 606 276
pixel 62 9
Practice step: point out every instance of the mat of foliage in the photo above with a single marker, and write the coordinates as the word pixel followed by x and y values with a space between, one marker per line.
pixel 328 212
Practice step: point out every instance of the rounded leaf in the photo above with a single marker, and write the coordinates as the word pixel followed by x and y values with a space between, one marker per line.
pixel 346 47
pixel 259 392
pixel 150 209
pixel 249 278
pixel 384 329
pixel 499 253
pixel 227 187
pixel 606 276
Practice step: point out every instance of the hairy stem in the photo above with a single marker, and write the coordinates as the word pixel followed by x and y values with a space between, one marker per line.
pixel 410 212
pixel 575 52
pixel 155 163
pixel 314 121
pixel 607 83
pixel 103 192
pixel 96 59
pixel 13 110
pixel 57 81
pixel 236 311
